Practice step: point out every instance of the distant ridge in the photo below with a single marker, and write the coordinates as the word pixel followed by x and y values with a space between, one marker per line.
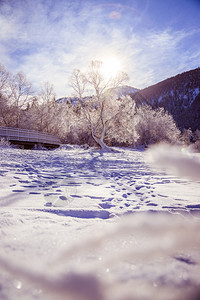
pixel 118 92
pixel 122 90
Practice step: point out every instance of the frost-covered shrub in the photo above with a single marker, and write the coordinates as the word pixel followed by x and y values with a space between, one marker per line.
pixel 186 136
pixel 191 139
pixel 196 138
pixel 197 135
pixel 154 126
pixel 196 146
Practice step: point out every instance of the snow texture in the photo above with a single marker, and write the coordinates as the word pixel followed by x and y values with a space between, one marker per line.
pixel 87 224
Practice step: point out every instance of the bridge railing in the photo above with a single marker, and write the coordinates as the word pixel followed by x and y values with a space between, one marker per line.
pixel 25 135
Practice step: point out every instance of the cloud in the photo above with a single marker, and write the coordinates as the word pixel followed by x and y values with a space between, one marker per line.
pixel 7 28
pixel 157 55
pixel 48 39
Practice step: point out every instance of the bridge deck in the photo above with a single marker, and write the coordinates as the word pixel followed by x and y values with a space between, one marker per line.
pixel 25 136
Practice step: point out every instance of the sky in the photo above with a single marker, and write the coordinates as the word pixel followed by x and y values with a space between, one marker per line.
pixel 47 39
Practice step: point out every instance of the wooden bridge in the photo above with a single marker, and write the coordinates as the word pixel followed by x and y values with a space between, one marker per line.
pixel 29 138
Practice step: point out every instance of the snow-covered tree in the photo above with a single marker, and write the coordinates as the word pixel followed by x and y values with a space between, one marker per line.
pixel 154 126
pixel 102 107
pixel 122 131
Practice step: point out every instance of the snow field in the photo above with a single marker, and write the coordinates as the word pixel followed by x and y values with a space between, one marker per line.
pixel 86 224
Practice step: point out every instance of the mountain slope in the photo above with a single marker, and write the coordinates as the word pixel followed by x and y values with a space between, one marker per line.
pixel 179 95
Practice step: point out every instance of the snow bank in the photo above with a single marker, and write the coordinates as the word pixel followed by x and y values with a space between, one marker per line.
pixel 176 159
pixel 141 256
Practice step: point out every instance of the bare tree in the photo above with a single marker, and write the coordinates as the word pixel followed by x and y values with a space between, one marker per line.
pixel 100 108
pixel 45 109
pixel 4 80
pixel 21 94
pixel 6 109
pixel 78 83
pixel 6 112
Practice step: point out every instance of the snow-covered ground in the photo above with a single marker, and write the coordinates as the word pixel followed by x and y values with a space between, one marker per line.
pixel 93 225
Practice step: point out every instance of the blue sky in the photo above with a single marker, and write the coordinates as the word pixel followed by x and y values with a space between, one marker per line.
pixel 47 39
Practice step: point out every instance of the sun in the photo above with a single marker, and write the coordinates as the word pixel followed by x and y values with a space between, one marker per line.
pixel 110 66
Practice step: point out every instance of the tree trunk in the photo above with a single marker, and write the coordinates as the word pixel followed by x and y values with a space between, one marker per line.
pixel 101 143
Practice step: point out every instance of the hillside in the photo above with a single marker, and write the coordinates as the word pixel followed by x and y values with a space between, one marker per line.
pixel 179 95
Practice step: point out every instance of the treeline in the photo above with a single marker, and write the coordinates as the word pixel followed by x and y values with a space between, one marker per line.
pixel 101 119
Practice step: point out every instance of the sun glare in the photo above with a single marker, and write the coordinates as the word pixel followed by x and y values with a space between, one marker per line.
pixel 110 66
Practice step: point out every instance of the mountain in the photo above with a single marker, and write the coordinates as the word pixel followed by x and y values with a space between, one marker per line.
pixel 122 91
pixel 179 95
pixel 71 100
pixel 118 92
